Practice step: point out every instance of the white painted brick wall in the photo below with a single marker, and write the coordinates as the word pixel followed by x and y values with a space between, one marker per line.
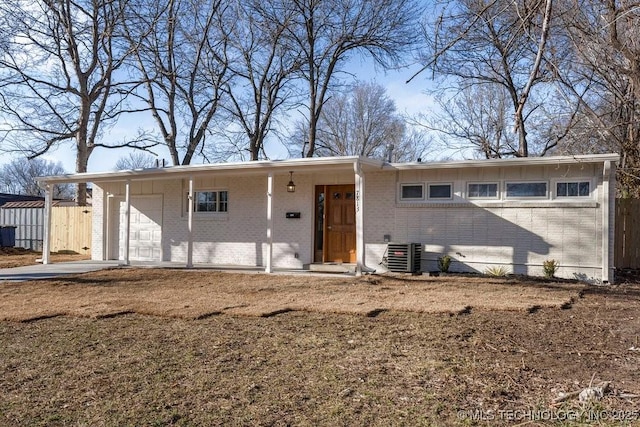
pixel 519 235
pixel 238 237
pixel 97 229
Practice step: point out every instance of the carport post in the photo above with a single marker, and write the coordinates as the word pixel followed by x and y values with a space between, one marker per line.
pixel 127 225
pixel 190 225
pixel 46 239
pixel 268 263
pixel 360 248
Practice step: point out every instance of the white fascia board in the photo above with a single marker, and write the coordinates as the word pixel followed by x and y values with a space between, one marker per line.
pixel 312 164
pixel 519 161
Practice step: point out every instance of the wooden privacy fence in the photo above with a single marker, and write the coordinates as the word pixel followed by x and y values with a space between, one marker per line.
pixel 71 229
pixel 627 243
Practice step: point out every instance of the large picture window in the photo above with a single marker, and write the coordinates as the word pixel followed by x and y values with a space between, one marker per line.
pixel 526 189
pixel 211 201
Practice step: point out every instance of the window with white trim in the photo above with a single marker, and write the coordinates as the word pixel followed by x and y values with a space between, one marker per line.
pixel 210 201
pixel 526 189
pixel 439 191
pixel 482 190
pixel 411 192
pixel 573 189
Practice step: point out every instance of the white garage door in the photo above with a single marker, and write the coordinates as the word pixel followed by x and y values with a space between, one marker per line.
pixel 145 234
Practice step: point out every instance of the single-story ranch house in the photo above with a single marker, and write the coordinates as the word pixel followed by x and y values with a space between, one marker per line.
pixel 289 214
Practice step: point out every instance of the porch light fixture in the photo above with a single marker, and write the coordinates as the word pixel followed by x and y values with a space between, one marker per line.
pixel 291 187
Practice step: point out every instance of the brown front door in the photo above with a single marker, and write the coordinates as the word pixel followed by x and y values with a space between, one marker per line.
pixel 340 223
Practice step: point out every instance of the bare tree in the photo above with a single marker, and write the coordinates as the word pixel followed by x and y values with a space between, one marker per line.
pixel 179 51
pixel 605 80
pixel 416 146
pixel 364 122
pixel 59 72
pixel 498 43
pixel 261 72
pixel 476 117
pixel 19 177
pixel 135 160
pixel 359 123
pixel 331 31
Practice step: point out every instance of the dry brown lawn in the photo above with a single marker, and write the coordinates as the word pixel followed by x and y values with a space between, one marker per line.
pixel 198 294
pixel 159 347
pixel 18 257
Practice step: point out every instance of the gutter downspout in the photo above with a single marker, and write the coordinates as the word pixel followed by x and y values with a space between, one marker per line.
pixel 360 246
pixel 190 225
pixel 46 239
pixel 268 268
pixel 127 224
pixel 607 225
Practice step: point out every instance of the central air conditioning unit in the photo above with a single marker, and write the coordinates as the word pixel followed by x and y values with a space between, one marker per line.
pixel 404 257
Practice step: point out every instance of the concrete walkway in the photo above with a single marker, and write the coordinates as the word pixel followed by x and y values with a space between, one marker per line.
pixel 58 269
pixel 48 271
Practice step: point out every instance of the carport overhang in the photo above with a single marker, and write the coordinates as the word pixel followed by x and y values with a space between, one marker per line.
pixel 268 168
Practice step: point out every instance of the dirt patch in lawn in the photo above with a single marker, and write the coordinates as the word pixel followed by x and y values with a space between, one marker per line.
pixel 198 294
pixel 479 367
pixel 19 257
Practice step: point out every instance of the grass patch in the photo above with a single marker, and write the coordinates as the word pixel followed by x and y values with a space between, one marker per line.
pixel 175 347
pixel 196 294
pixel 302 368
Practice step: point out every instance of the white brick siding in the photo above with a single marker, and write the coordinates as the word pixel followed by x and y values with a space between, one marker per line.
pixel 97 226
pixel 518 234
pixel 238 237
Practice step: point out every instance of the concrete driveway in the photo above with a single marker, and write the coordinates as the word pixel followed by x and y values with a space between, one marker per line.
pixel 48 271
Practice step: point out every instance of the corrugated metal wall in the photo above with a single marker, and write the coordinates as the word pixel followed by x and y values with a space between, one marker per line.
pixel 29 223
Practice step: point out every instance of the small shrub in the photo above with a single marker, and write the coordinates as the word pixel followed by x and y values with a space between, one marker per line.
pixel 497 271
pixel 444 262
pixel 550 268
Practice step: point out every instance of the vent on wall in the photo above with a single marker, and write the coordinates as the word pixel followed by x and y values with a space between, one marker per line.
pixel 404 257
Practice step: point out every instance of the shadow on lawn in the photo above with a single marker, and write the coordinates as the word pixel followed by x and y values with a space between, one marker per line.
pixel 97 281
pixel 480 279
pixel 620 292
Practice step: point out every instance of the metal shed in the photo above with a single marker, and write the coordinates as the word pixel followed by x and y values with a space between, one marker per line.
pixel 28 218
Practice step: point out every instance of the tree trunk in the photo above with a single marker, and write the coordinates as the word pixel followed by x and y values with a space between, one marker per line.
pixel 313 124
pixel 82 159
